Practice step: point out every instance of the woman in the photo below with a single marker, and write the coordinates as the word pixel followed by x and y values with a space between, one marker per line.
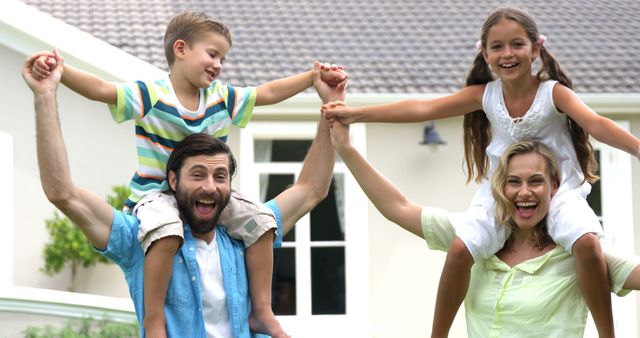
pixel 529 288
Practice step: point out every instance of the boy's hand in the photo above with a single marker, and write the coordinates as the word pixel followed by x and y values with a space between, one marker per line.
pixel 39 84
pixel 332 74
pixel 325 91
pixel 44 63
pixel 338 110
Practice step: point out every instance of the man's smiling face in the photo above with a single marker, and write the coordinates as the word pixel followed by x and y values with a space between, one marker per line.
pixel 203 189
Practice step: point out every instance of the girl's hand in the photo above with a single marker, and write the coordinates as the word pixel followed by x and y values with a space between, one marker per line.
pixel 338 110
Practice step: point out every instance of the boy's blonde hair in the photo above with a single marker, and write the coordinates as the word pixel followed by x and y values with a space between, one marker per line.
pixel 190 26
pixel 504 207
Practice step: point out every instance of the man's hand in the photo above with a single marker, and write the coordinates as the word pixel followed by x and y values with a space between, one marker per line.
pixel 332 74
pixel 327 91
pixel 35 81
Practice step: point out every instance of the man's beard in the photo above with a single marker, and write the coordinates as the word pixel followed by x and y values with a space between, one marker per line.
pixel 186 206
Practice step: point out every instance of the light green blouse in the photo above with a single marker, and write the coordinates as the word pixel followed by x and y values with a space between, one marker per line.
pixel 536 298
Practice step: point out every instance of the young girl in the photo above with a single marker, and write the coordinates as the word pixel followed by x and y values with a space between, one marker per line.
pixel 517 105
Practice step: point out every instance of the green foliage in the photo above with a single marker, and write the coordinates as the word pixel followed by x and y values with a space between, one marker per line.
pixel 119 196
pixel 68 245
pixel 85 328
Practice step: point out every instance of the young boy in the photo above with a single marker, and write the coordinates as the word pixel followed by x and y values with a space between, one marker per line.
pixel 165 111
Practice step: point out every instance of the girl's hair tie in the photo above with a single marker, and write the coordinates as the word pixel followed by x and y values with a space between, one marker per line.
pixel 479 45
pixel 542 39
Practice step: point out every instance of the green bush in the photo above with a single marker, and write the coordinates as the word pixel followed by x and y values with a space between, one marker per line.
pixel 67 244
pixel 85 328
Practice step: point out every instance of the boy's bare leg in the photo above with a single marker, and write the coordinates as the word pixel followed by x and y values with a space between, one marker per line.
pixel 454 282
pixel 593 279
pixel 259 259
pixel 158 266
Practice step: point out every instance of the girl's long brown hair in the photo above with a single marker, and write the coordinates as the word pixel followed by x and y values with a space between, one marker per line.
pixel 477 130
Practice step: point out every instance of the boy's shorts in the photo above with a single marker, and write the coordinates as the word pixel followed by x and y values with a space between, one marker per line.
pixel 159 217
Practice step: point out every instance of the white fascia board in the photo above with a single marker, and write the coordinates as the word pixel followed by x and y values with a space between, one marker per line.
pixel 27 30
pixel 307 105
pixel 65 304
pixel 613 103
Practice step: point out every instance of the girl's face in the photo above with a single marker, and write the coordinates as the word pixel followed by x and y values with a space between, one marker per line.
pixel 509 52
pixel 530 188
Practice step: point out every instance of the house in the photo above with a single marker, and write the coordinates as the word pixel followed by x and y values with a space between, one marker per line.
pixel 346 267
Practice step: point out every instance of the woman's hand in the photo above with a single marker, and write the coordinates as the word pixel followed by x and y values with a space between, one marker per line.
pixel 338 110
pixel 340 136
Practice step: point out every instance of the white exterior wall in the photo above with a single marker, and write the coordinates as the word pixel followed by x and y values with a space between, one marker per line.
pixel 404 272
pixel 101 154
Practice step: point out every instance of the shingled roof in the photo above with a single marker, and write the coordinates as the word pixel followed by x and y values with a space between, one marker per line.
pixel 407 46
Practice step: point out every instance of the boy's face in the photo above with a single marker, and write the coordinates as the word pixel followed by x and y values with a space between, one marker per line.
pixel 203 59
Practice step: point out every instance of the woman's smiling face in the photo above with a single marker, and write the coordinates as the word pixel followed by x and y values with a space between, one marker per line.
pixel 530 188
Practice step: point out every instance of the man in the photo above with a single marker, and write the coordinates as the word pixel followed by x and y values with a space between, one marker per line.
pixel 201 179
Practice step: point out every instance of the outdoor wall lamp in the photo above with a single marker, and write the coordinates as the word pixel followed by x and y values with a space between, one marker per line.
pixel 430 135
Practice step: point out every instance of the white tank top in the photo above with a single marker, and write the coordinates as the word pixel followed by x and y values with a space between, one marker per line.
pixel 542 122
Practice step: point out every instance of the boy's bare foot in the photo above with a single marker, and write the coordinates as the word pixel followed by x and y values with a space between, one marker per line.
pixel 265 322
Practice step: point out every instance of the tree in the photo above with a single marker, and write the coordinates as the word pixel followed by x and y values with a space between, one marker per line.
pixel 67 244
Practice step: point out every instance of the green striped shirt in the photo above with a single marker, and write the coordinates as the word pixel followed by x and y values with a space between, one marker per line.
pixel 161 122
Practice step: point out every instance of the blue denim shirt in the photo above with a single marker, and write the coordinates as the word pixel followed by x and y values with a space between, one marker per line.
pixel 183 306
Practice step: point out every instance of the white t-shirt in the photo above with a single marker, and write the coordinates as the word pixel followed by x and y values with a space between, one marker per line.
pixel 214 299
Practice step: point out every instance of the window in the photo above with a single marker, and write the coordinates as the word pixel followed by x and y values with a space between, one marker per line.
pixel 320 282
pixel 611 200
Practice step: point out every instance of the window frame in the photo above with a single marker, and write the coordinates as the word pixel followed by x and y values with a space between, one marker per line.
pixel 355 322
pixel 618 228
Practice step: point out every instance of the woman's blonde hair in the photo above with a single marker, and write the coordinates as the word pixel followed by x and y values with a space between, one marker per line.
pixel 504 207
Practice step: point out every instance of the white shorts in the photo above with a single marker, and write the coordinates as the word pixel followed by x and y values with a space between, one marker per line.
pixel 159 217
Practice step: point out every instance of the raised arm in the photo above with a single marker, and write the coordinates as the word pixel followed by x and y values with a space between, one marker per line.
pixel 281 89
pixel 467 100
pixel 84 83
pixel 314 180
pixel 92 215
pixel 384 195
pixel 601 128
